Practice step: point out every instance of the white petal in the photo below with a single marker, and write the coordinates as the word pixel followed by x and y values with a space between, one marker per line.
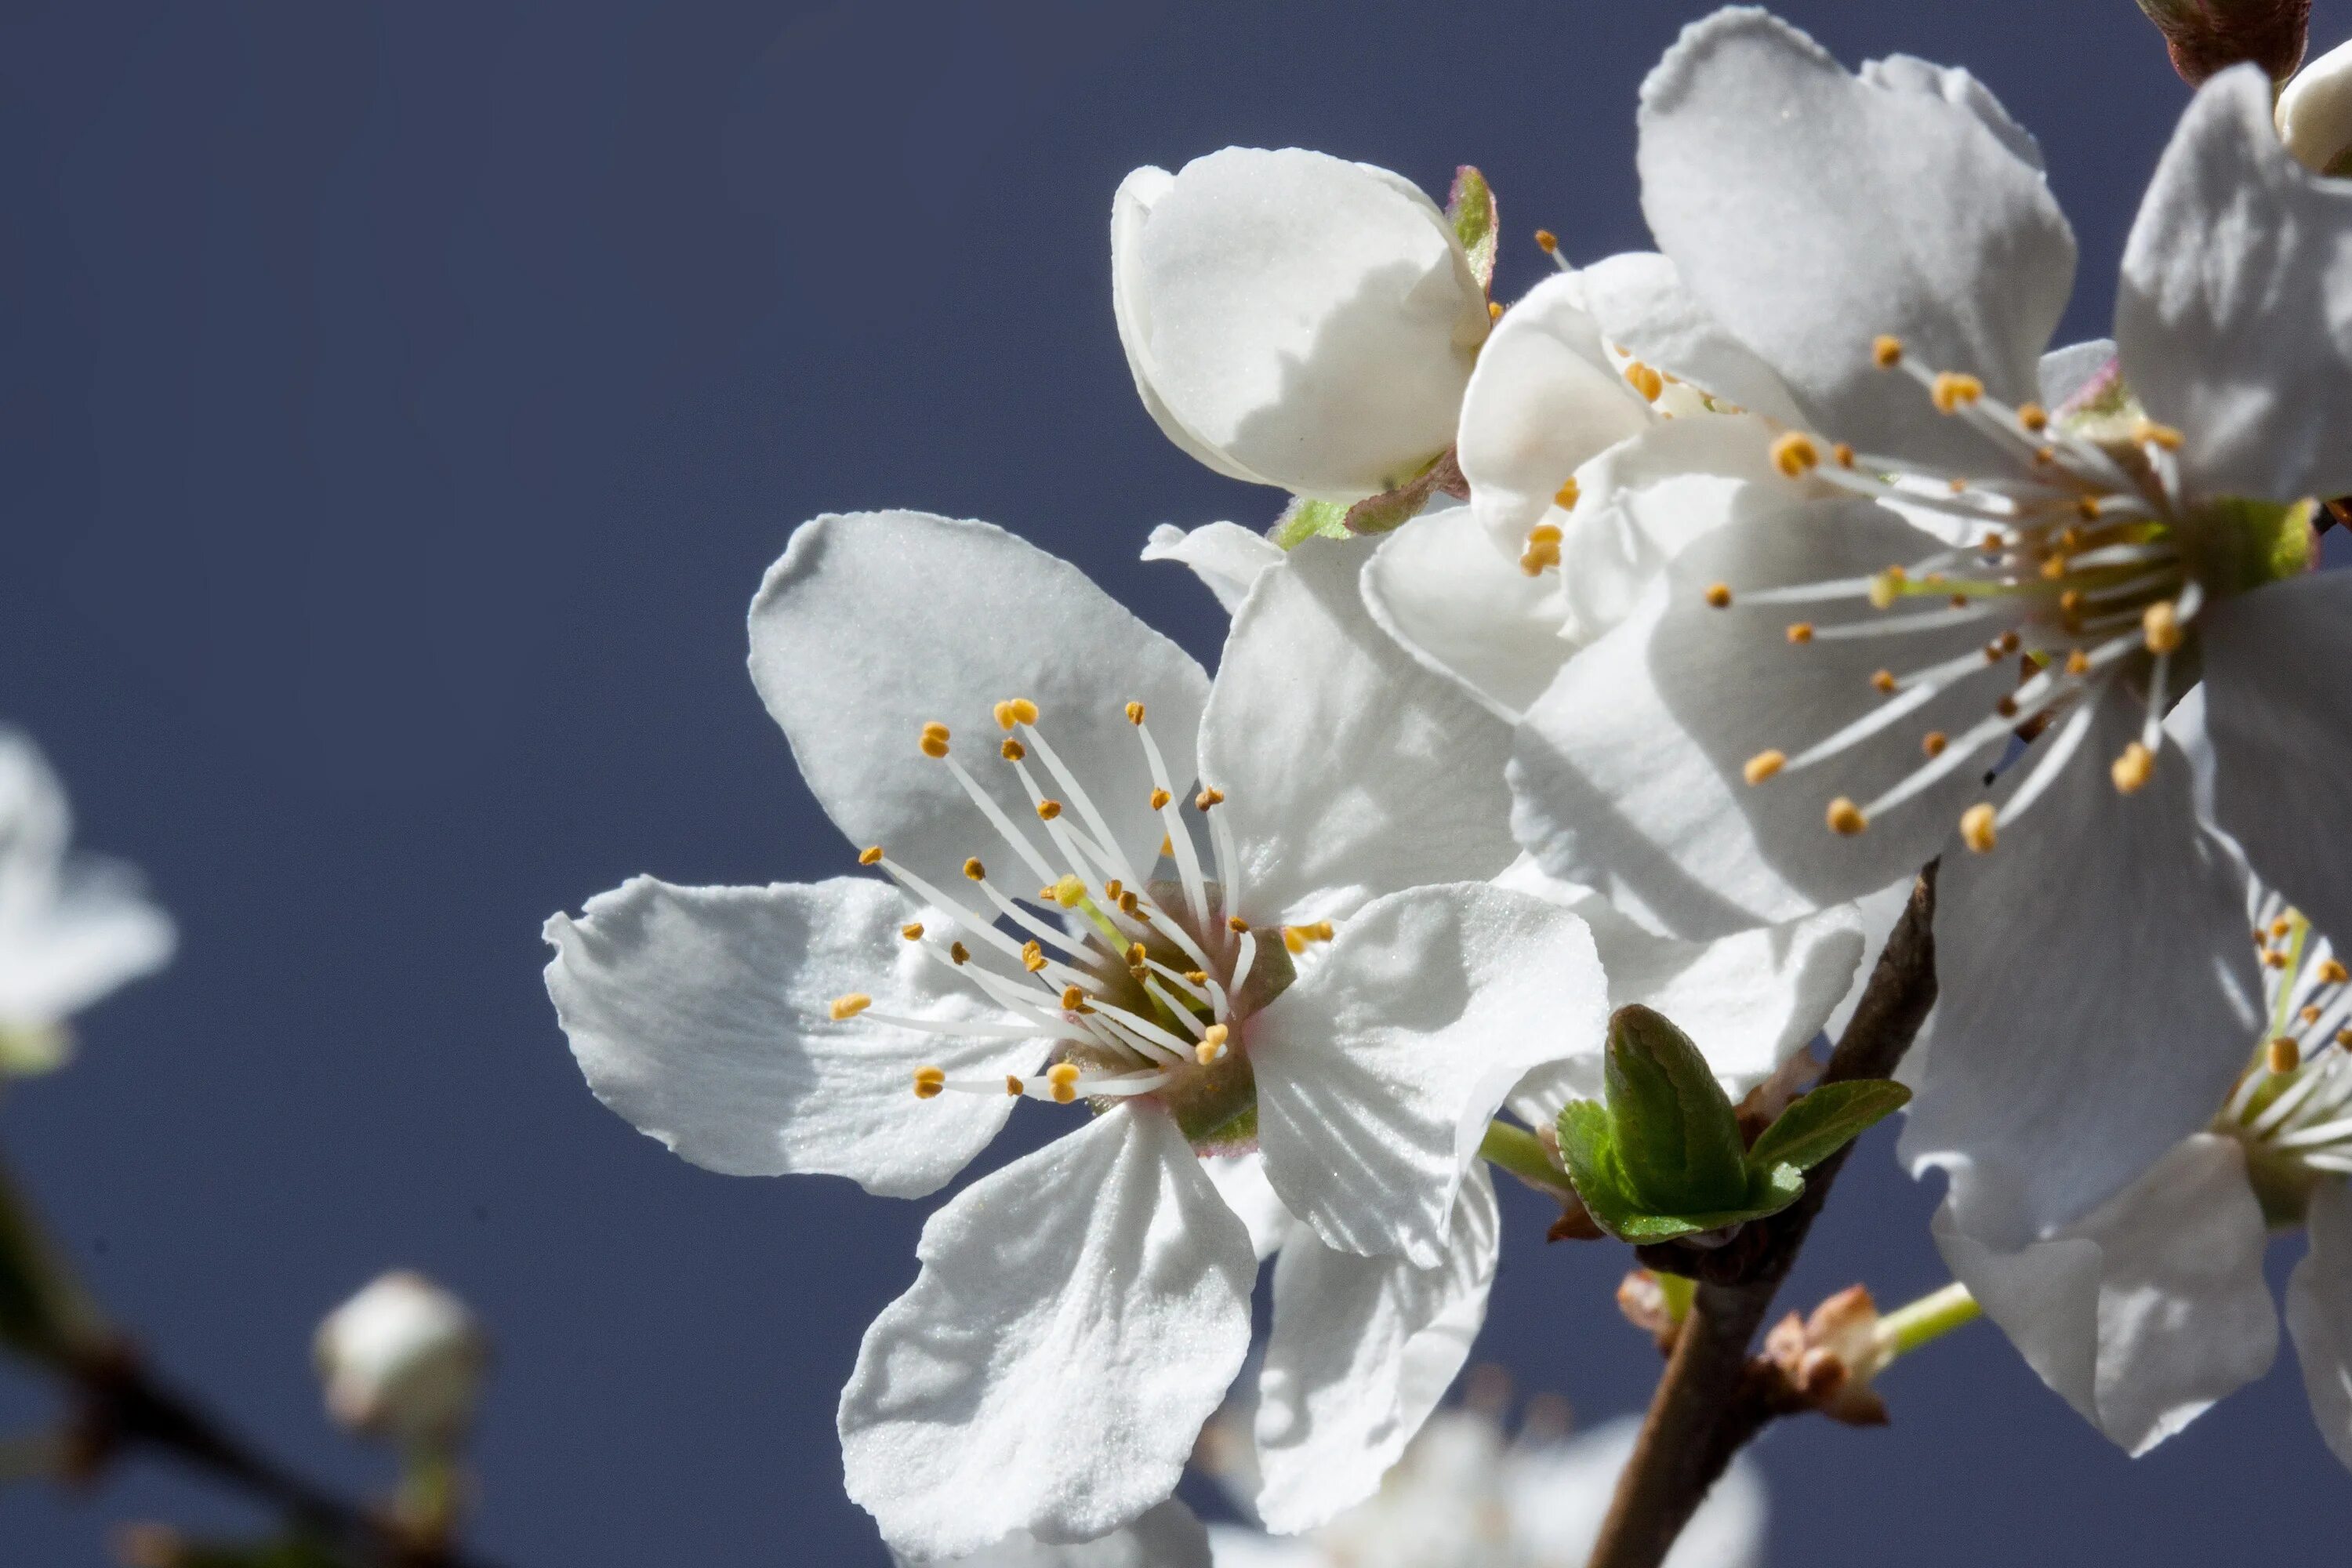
pixel 872 625
pixel 1559 1494
pixel 2066 372
pixel 1077 1317
pixel 1295 317
pixel 81 931
pixel 1226 556
pixel 1908 73
pixel 1362 1349
pixel 1543 401
pixel 2314 113
pixel 701 1015
pixel 2148 1310
pixel 2085 1022
pixel 1167 1537
pixel 1638 301
pixel 1464 609
pixel 1378 1070
pixel 2319 1316
pixel 1240 1179
pixel 1349 769
pixel 1232 1546
pixel 1627 774
pixel 1879 912
pixel 1809 211
pixel 2235 315
pixel 2278 718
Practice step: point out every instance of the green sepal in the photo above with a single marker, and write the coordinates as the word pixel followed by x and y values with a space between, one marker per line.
pixel 2237 542
pixel 1470 208
pixel 1677 1136
pixel 1304 519
pixel 1825 1121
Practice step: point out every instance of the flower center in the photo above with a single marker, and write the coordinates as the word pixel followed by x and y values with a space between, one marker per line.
pixel 1145 987
pixel 2292 1108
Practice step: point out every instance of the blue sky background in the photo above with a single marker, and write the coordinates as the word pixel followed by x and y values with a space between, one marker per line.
pixel 398 407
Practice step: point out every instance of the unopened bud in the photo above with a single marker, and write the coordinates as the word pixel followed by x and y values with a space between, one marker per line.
pixel 1829 1358
pixel 403 1360
pixel 2315 113
pixel 2207 36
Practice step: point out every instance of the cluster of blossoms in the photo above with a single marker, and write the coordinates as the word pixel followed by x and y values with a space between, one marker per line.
pixel 1632 644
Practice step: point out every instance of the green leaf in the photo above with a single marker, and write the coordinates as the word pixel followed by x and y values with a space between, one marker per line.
pixel 1676 1135
pixel 1304 519
pixel 1470 208
pixel 1588 1147
pixel 1825 1121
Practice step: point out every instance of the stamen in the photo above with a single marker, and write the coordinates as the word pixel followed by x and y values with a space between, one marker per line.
pixel 1211 1045
pixel 1064 1078
pixel 2161 626
pixel 850 1005
pixel 1801 631
pixel 2131 770
pixel 928 1082
pixel 1763 766
pixel 1210 796
pixel 912 930
pixel 1010 750
pixel 1565 498
pixel 1644 380
pixel 2283 1056
pixel 1886 350
pixel 1179 842
pixel 1718 595
pixel 870 854
pixel 1977 827
pixel 1955 390
pixel 1795 455
pixel 2032 415
pixel 2148 433
pixel 1015 711
pixel 934 740
pixel 1846 818
pixel 975 869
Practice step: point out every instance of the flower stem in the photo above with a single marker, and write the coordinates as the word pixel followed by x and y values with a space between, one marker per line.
pixel 1521 1153
pixel 1926 1321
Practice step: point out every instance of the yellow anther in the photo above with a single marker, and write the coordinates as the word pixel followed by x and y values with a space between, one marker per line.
pixel 1933 743
pixel 1212 1045
pixel 959 952
pixel 1763 766
pixel 2282 1056
pixel 2006 706
pixel 1012 750
pixel 1544 533
pixel 1197 976
pixel 1887 351
pixel 1565 498
pixel 1956 487
pixel 2281 927
pixel 1014 1086
pixel 1160 797
pixel 912 930
pixel 1845 817
pixel 2070 603
pixel 1883 682
pixel 1801 631
pixel 1062 1077
pixel 2046 455
pixel 1977 826
pixel 1137 956
pixel 1235 924
pixel 1135 712
pixel 2077 662
pixel 1032 957
pixel 1128 901
pixel 2056 567
pixel 2309 1014
pixel 2274 958
pixel 1167 849
pixel 1954 390
pixel 1994 542
pixel 1841 455
pixel 1320 930
pixel 2159 626
pixel 870 854
pixel 851 1006
pixel 1644 380
pixel 2033 417
pixel 1293 939
pixel 1538 557
pixel 1015 711
pixel 934 741
pixel 1073 999
pixel 1049 809
pixel 975 871
pixel 1718 595
pixel 2331 972
pixel 1494 309
pixel 1210 796
pixel 1795 455
pixel 2007 642
pixel 2343 1038
pixel 1070 892
pixel 2132 769
pixel 928 1082
pixel 1113 888
pixel 2087 508
pixel 2148 433
pixel 1547 241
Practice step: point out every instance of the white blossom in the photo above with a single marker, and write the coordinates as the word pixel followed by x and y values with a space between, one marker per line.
pixel 2314 113
pixel 403 1359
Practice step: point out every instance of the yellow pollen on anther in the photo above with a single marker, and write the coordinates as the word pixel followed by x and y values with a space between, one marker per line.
pixel 1763 766
pixel 2006 706
pixel 1128 901
pixel 1883 682
pixel 1644 380
pixel 928 1082
pixel 1565 498
pixel 1956 487
pixel 2309 1014
pixel 1135 712
pixel 1033 956
pixel 1801 631
pixel 2132 769
pixel 850 1005
pixel 1012 750
pixel 1015 711
pixel 1210 796
pixel 1795 454
pixel 1161 797
pixel 1543 533
pixel 1547 241
pixel 2046 455
pixel 2159 626
pixel 1167 849
pixel 1070 892
pixel 870 854
pixel 1887 352
pixel 2078 662
pixel 1073 999
pixel 2033 417
pixel 1197 976
pixel 1064 1078
pixel 2148 433
pixel 1845 817
pixel 1014 1086
pixel 2007 642
pixel 975 871
pixel 1211 1044
pixel 2334 974
pixel 934 740
pixel 2056 567
pixel 1841 455
pixel 2343 1038
pixel 1933 743
pixel 1235 924
pixel 1113 888
pixel 912 930
pixel 1494 309
pixel 1294 940
pixel 1953 390
pixel 2274 958
pixel 2282 1056
pixel 2279 927
pixel 959 952
pixel 1977 826
pixel 1718 595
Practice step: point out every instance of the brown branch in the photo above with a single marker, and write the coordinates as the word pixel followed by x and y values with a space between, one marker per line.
pixel 1713 1397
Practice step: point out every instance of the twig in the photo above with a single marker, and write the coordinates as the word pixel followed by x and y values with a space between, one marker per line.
pixel 1713 1398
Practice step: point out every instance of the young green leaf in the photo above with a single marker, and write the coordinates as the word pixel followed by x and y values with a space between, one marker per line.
pixel 1304 519
pixel 1470 208
pixel 1677 1137
pixel 1825 1122
pixel 1588 1147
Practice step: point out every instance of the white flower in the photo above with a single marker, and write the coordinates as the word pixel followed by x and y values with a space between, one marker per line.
pixel 1331 979
pixel 72 927
pixel 1807 705
pixel 2154 1305
pixel 402 1359
pixel 1293 318
pixel 2314 112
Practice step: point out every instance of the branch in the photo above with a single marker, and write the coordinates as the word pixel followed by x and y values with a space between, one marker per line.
pixel 1712 1398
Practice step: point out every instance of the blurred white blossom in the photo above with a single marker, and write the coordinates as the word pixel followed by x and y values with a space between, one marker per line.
pixel 403 1359
pixel 2314 112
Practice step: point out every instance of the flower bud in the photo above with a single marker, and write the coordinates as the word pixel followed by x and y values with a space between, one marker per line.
pixel 2315 113
pixel 403 1359
pixel 2207 36
pixel 1829 1359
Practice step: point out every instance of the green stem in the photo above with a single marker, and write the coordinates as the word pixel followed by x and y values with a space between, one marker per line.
pixel 1521 1153
pixel 1926 1321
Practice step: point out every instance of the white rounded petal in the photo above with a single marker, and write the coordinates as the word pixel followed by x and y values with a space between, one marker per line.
pixel 2149 1310
pixel 2067 371
pixel 2278 728
pixel 1557 1494
pixel 2314 113
pixel 1295 318
pixel 1078 1315
pixel 1809 211
pixel 1628 773
pixel 402 1359
pixel 1378 1070
pixel 1167 1537
pixel 1361 1351
pixel 1638 301
pixel 1226 556
pixel 2233 319
pixel 2066 1065
pixel 1349 769
pixel 2319 1316
pixel 1240 1179
pixel 1464 609
pixel 1543 401
pixel 1879 912
pixel 703 1017
pixel 875 623
pixel 1234 1546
